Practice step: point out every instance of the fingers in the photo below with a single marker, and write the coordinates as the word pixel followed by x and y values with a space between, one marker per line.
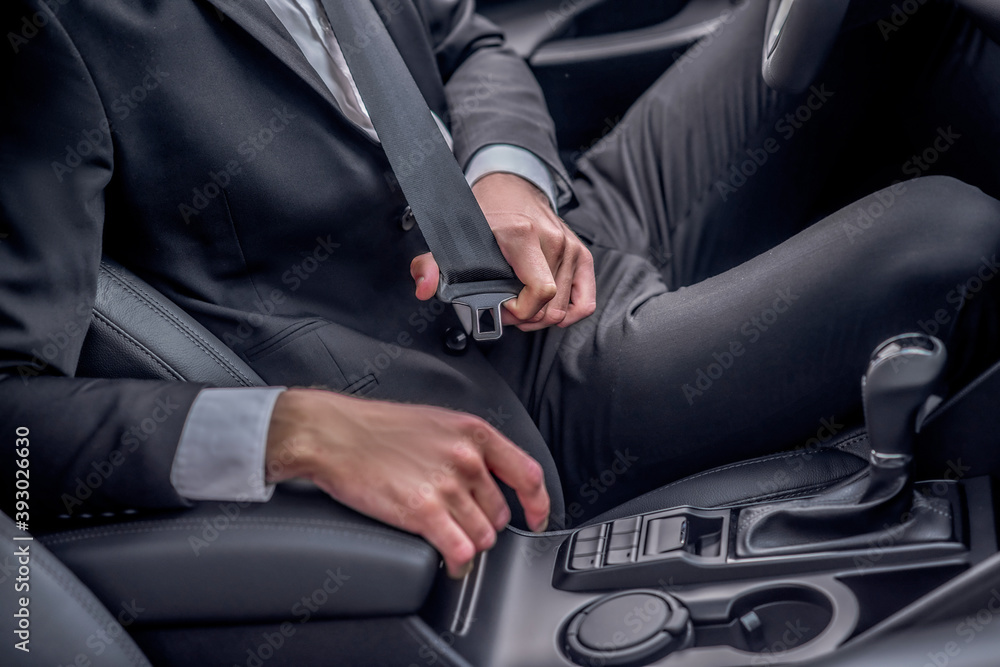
pixel 488 496
pixel 556 310
pixel 569 265
pixel 452 542
pixel 583 297
pixel 471 519
pixel 492 501
pixel 554 265
pixel 474 506
pixel 420 468
pixel 529 264
pixel 484 497
pixel 425 273
pixel 523 474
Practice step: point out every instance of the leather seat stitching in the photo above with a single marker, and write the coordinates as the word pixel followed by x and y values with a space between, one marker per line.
pixel 731 466
pixel 802 491
pixel 931 508
pixel 115 329
pixel 201 343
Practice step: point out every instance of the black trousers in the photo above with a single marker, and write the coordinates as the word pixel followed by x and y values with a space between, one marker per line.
pixel 728 326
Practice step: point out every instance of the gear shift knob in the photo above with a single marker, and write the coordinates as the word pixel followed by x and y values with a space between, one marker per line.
pixel 898 390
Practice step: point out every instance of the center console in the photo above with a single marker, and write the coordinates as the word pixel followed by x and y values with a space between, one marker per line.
pixel 669 588
pixel 780 582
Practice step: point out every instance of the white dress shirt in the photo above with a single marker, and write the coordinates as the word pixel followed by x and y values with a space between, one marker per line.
pixel 221 452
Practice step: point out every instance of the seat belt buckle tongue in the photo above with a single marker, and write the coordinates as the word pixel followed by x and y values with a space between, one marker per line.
pixel 484 312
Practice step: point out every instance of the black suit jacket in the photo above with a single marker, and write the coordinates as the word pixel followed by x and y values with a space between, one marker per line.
pixel 192 141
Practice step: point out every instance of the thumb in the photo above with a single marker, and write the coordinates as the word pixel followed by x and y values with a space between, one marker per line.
pixel 425 274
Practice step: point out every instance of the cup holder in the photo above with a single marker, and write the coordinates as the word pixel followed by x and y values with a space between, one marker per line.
pixel 771 621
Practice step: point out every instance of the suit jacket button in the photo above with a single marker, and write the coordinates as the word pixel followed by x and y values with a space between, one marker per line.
pixel 407 221
pixel 455 341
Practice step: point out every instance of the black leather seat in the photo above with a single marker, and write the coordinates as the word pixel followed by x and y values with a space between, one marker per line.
pixel 247 564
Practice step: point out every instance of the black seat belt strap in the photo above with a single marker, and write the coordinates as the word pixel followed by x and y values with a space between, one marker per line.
pixel 474 272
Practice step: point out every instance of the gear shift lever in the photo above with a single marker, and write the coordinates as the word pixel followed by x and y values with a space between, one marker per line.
pixel 898 392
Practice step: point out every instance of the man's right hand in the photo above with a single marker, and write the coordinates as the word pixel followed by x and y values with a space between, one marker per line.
pixel 423 469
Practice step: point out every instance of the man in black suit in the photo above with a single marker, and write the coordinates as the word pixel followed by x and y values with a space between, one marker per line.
pixel 220 149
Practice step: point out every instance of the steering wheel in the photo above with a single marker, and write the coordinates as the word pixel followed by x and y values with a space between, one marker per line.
pixel 800 35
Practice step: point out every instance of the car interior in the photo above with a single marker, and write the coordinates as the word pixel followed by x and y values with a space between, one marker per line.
pixel 876 546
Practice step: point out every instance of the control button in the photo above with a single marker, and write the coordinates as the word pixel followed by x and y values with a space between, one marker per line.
pixel 455 341
pixel 590 532
pixel 407 220
pixel 618 556
pixel 623 540
pixel 629 525
pixel 663 535
pixel 583 562
pixel 751 623
pixel 587 547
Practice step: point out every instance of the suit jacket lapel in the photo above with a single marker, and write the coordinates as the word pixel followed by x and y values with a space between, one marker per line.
pixel 257 19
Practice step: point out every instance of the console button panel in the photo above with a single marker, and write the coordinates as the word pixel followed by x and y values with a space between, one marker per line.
pixel 647 537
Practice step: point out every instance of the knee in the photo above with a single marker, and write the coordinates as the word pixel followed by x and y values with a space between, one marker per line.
pixel 945 205
pixel 947 227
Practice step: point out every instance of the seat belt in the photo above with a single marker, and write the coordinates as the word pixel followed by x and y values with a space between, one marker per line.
pixel 474 273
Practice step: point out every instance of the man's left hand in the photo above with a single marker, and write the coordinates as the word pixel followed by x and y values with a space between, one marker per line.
pixel 556 268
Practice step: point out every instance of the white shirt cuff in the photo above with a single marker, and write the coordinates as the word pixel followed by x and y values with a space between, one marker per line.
pixel 515 160
pixel 222 447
